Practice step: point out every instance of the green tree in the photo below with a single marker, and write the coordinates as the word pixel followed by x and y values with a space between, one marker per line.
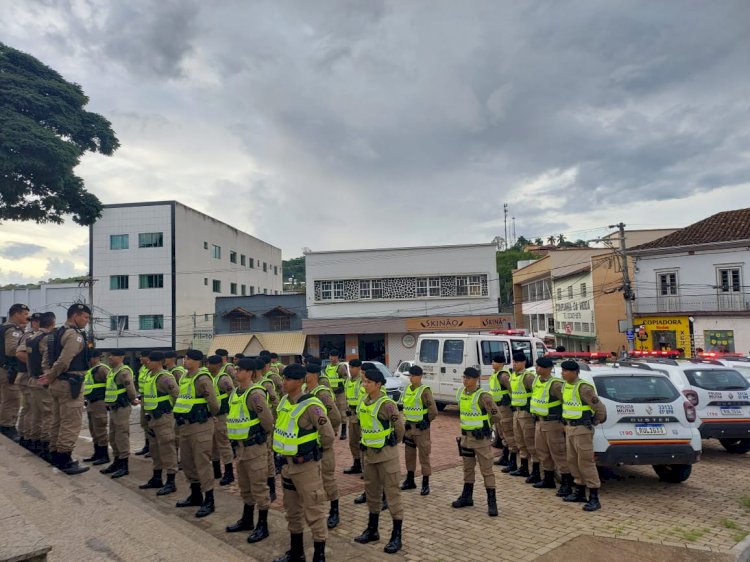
pixel 538 241
pixel 521 242
pixel 560 239
pixel 507 261
pixel 551 240
pixel 44 131
pixel 294 267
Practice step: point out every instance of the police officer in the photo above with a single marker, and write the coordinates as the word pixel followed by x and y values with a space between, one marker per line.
pixel 221 452
pixel 227 366
pixel 41 399
pixel 582 410
pixel 302 429
pixel 142 379
pixel 170 364
pixel 328 460
pixel 119 397
pixel 419 412
pixel 276 365
pixel 478 412
pixel 335 372
pixel 382 429
pixel 94 385
pixel 250 423
pixel 273 398
pixel 353 393
pixel 65 362
pixel 269 373
pixel 521 382
pixel 500 390
pixel 549 437
pixel 159 395
pixel 10 394
pixel 194 408
pixel 22 381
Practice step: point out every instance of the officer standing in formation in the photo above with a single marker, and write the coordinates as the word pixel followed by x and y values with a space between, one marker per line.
pixel 336 374
pixel 22 382
pixel 120 396
pixel 521 383
pixel 302 429
pixel 581 411
pixel 10 394
pixel 41 400
pixel 94 385
pixel 500 390
pixel 549 439
pixel 142 376
pixel 353 393
pixel 221 451
pixel 478 412
pixel 419 412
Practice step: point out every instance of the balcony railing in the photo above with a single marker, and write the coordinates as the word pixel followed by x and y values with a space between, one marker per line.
pixel 722 302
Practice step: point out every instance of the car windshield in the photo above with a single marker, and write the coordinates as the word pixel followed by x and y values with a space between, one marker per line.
pixel 717 379
pixel 380 367
pixel 639 390
pixel 522 345
pixel 744 370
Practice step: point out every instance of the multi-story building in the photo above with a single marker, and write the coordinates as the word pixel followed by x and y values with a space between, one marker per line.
pixel 374 303
pixel 691 286
pixel 158 266
pixel 45 297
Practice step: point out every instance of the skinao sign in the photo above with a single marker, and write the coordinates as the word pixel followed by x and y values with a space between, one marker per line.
pixel 460 323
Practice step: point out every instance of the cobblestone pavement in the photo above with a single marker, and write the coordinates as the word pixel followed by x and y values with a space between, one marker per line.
pixel 710 512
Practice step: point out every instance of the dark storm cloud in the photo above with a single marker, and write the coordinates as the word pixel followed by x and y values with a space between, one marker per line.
pixel 19 250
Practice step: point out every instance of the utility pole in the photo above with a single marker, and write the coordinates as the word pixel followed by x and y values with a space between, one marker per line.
pixel 513 229
pixel 89 282
pixel 627 288
pixel 505 212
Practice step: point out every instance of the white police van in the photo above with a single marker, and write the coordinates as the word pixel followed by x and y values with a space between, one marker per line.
pixel 443 358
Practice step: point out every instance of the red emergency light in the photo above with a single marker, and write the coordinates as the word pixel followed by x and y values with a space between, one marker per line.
pixel 644 353
pixel 508 332
pixel 718 354
pixel 577 354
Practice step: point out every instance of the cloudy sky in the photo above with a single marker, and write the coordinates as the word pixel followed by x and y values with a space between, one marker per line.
pixel 334 124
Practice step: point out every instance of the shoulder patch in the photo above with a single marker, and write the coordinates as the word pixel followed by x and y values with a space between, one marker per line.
pixel 79 339
pixel 594 399
pixel 322 420
pixel 317 412
pixel 16 334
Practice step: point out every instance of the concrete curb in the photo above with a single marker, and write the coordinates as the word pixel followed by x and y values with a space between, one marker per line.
pixel 741 551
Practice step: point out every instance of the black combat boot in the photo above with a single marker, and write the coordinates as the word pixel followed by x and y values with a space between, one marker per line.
pixel 45 453
pixel 69 466
pixel 244 523
pixel 94 456
pixel 272 488
pixel 371 533
pixel 465 499
pixel 122 471
pixel 114 467
pixel 578 496
pixel 194 499
pixel 593 503
pixel 425 486
pixel 394 545
pixel 343 431
pixel 217 469
pixel 319 554
pixel 261 530
pixel 355 468
pixel 409 483
pixel 228 475
pixel 491 502
pixel 143 451
pixel 297 551
pixel 333 515
pixel 522 470
pixel 208 507
pixel 566 485
pixel 548 482
pixel 535 476
pixel 11 433
pixel 362 498
pixel 512 466
pixel 504 458
pixel 155 482
pixel 103 456
pixel 169 487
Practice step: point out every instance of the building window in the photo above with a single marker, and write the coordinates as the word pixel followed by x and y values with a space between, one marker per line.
pixel 151 281
pixel 576 326
pixel 551 324
pixel 250 263
pixel 232 256
pixel 252 290
pixel 118 323
pixel 265 266
pixel 265 291
pixel 338 290
pixel 151 322
pixel 118 242
pixel 233 288
pixel 151 240
pixel 205 281
pixel 216 251
pixel 667 283
pixel 279 323
pixel 242 259
pixel 239 324
pixel 275 270
pixel 205 317
pixel 205 245
pixel 434 286
pixel 462 286
pixel 326 290
pixel 118 282
pixel 216 286
pixel 365 289
pixel 421 286
pixel 570 291
pixel 584 327
pixel 583 290
pixel 377 289
pixel 729 280
pixel 559 294
pixel 243 290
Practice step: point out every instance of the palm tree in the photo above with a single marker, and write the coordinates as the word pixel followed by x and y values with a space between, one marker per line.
pixel 551 240
pixel 538 241
pixel 560 239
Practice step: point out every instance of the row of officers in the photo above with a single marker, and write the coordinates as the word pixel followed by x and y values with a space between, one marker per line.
pixel 210 410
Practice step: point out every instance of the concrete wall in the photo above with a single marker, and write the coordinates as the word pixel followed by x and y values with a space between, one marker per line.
pixel 54 297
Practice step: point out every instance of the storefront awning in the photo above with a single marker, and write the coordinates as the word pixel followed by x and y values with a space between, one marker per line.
pixel 283 343
pixel 233 343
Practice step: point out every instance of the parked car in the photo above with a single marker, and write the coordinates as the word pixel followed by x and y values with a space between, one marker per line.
pixel 394 386
pixel 403 371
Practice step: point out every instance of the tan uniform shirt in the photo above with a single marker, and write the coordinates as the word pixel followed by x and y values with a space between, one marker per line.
pixel 256 401
pixel 73 342
pixel 487 404
pixel 313 417
pixel 334 415
pixel 22 352
pixel 388 413
pixel 429 403
pixel 204 388
pixel 226 386
pixel 12 337
pixel 588 396
pixel 99 374
pixel 125 379
pixel 168 385
pixel 273 398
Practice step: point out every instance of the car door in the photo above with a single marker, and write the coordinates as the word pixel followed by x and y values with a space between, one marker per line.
pixel 452 366
pixel 723 394
pixel 428 357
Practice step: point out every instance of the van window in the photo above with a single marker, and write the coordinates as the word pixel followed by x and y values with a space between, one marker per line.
pixel 525 346
pixel 717 379
pixel 453 352
pixel 541 351
pixel 638 390
pixel 492 348
pixel 428 351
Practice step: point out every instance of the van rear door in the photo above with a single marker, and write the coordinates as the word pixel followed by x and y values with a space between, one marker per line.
pixel 452 366
pixel 428 357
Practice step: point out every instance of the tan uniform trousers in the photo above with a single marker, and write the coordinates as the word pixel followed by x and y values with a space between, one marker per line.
pixel 328 473
pixel 24 414
pixel 144 423
pixel 355 434
pixel 506 423
pixel 549 445
pixel 196 440
pixel 97 416
pixel 161 439
pixel 418 441
pixel 477 451
pixel 221 449
pixel 10 401
pixel 270 464
pixel 251 475
pixel 67 417
pixel 580 448
pixel 304 499
pixel 523 431
pixel 41 411
pixel 383 475
pixel 119 431
pixel 340 400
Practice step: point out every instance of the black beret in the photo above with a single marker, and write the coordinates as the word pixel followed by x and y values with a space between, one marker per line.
pixel 239 355
pixel 222 352
pixel 265 358
pixel 519 356
pixel 544 362
pixel 118 352
pixel 259 363
pixel 375 376
pixel 274 355
pixel 471 372
pixel 96 353
pixel 145 353
pixel 214 360
pixel 355 363
pixel 367 366
pixel 73 308
pixel 35 316
pixel 415 370
pixel 570 365
pixel 312 368
pixel 333 353
pixel 156 356
pixel 195 354
pixel 246 364
pixel 294 371
pixel 264 353
pixel 170 354
pixel 499 358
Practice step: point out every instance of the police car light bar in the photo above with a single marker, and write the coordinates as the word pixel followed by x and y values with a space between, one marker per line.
pixel 718 354
pixel 644 353
pixel 508 332
pixel 577 354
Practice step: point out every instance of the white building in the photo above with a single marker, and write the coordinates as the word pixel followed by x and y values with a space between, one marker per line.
pixel 46 297
pixel 373 303
pixel 692 286
pixel 572 294
pixel 158 266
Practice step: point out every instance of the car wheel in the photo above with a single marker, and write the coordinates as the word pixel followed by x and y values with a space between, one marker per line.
pixel 673 473
pixel 440 406
pixel 736 446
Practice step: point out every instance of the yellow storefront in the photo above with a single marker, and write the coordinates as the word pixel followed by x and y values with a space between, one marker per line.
pixel 662 333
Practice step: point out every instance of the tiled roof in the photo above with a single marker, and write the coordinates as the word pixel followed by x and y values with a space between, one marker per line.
pixel 726 226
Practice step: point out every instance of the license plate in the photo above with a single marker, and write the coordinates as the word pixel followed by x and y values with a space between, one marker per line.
pixel 650 429
pixel 731 411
